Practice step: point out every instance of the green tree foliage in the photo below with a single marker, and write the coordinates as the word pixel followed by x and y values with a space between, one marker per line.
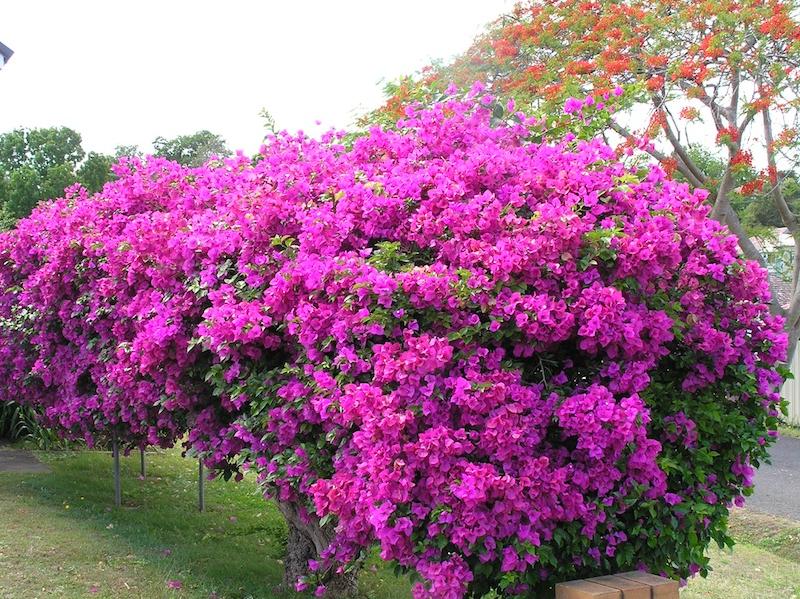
pixel 762 211
pixel 132 150
pixel 40 148
pixel 191 150
pixel 23 189
pixel 95 171
pixel 57 178
pixel 37 164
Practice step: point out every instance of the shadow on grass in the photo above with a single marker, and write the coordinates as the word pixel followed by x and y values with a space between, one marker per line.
pixel 233 549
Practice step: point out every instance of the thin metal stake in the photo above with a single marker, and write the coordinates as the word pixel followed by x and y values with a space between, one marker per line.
pixel 201 494
pixel 141 456
pixel 117 481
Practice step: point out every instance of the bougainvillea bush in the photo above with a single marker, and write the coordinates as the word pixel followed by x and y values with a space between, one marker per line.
pixel 505 363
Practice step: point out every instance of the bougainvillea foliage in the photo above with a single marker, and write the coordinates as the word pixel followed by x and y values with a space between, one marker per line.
pixel 503 362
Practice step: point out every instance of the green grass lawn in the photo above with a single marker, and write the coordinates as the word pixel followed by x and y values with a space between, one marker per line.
pixel 765 563
pixel 60 537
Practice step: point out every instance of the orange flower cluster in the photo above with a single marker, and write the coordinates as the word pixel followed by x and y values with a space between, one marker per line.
pixel 536 71
pixel 655 83
pixel 742 159
pixel 580 67
pixel 753 186
pixel 689 113
pixel 553 91
pixel 772 173
pixel 504 49
pixel 692 70
pixel 656 61
pixel 764 178
pixel 779 26
pixel 670 165
pixel 617 66
pixel 786 138
pixel 657 122
pixel 709 48
pixel 727 135
pixel 761 104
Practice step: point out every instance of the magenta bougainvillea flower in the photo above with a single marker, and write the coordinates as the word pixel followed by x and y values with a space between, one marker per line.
pixel 503 362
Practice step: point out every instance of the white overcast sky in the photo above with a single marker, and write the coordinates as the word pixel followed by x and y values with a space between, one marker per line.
pixel 123 73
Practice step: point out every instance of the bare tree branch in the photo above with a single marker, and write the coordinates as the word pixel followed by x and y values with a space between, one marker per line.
pixel 717 111
pixel 795 274
pixel 787 216
pixel 746 121
pixel 793 311
pixel 729 217
pixel 660 156
pixel 722 203
pixel 733 108
pixel 658 101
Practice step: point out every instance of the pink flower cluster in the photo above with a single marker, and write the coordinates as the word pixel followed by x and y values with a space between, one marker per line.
pixel 490 357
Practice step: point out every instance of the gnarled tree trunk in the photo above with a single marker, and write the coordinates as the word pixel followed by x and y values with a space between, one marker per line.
pixel 307 540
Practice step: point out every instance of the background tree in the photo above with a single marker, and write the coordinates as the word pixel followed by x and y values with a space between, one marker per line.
pixel 22 190
pixel 191 150
pixel 762 211
pixel 40 148
pixel 34 162
pixel 95 171
pixel 131 150
pixel 37 164
pixel 720 69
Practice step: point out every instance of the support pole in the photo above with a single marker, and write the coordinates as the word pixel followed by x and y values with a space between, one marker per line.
pixel 201 493
pixel 141 461
pixel 117 481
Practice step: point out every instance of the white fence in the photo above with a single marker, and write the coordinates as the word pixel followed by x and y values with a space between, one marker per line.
pixel 791 391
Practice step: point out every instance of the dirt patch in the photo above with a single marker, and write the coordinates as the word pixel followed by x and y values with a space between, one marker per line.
pixel 20 460
pixel 777 535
